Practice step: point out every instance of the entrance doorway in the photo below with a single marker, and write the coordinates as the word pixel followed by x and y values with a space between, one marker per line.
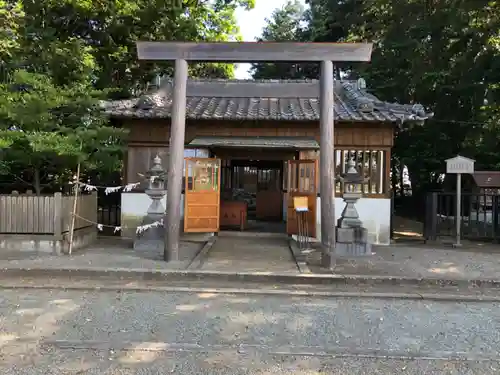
pixel 249 195
pixel 202 195
pixel 255 187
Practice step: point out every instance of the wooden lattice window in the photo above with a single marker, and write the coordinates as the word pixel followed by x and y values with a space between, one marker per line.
pixel 370 163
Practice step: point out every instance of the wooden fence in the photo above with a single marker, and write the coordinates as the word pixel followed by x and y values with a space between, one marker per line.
pixel 45 215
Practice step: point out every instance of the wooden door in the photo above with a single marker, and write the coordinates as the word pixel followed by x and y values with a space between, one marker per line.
pixel 302 181
pixel 269 199
pixel 202 195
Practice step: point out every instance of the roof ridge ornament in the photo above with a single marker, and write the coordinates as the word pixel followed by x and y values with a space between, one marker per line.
pixel 353 94
pixel 144 102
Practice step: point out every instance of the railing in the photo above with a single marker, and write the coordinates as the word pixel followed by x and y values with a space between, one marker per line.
pixel 45 215
pixel 479 216
pixel 109 215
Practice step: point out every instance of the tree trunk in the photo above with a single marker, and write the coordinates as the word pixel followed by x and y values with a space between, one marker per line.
pixel 401 178
pixel 394 178
pixel 36 181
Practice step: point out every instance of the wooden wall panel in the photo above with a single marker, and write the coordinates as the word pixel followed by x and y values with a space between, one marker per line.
pixel 309 155
pixel 364 136
pixel 245 154
pixel 140 160
pixel 148 131
pixel 346 134
pixel 245 129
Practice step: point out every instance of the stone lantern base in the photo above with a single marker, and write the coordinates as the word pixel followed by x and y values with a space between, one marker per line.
pixel 352 242
pixel 351 237
pixel 152 239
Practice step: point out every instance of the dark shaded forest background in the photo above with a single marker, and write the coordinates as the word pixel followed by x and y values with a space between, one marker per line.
pixel 57 58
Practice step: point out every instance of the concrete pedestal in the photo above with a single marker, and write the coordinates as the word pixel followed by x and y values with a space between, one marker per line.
pixel 352 242
pixel 151 239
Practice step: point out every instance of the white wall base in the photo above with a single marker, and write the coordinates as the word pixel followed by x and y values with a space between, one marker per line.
pixel 134 206
pixel 375 213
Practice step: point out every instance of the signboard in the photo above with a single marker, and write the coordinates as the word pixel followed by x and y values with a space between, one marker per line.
pixel 300 204
pixel 460 164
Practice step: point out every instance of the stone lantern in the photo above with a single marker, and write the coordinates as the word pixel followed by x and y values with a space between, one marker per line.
pixel 351 237
pixel 156 187
pixel 353 187
pixel 153 237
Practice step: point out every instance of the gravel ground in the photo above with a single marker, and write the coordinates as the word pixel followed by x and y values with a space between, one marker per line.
pixel 423 292
pixel 470 262
pixel 69 332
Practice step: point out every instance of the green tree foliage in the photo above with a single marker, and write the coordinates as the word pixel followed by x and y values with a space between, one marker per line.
pixel 107 30
pixel 442 54
pixel 59 58
pixel 44 129
pixel 285 24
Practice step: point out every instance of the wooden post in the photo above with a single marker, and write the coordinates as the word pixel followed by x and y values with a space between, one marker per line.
pixel 458 220
pixel 176 162
pixel 73 211
pixel 58 216
pixel 327 167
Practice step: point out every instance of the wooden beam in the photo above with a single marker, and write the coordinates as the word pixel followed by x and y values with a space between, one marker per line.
pixel 254 51
pixel 251 89
pixel 327 162
pixel 176 163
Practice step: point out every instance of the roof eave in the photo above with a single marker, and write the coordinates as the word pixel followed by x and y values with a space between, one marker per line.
pixel 133 116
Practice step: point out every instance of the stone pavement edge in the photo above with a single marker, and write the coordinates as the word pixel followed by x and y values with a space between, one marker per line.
pixel 394 265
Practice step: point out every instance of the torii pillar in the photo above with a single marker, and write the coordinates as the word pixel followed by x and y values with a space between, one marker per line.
pixel 248 52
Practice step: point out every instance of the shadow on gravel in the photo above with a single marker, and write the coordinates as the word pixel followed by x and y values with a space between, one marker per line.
pixel 136 333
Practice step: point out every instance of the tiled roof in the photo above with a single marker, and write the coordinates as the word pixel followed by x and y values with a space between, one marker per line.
pixel 266 100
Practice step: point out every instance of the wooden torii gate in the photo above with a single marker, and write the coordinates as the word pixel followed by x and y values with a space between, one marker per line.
pixel 246 52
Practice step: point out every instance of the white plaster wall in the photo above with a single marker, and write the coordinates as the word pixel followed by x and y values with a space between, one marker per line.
pixel 137 204
pixel 375 213
pixel 134 206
